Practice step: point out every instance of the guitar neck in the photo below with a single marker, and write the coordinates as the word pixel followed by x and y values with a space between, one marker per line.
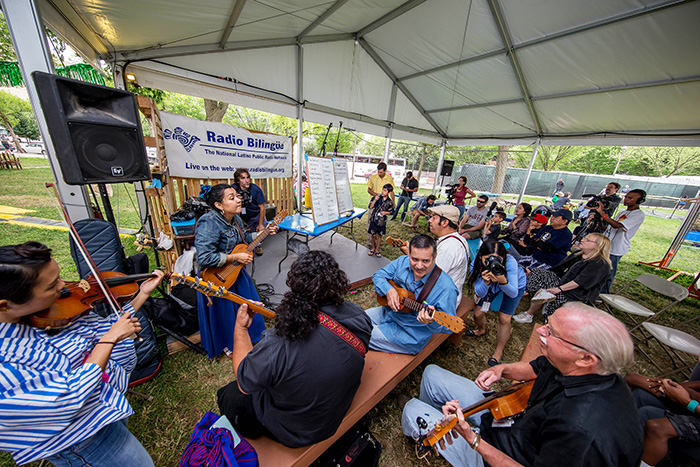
pixel 253 306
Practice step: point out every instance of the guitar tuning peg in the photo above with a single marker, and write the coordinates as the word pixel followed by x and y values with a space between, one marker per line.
pixel 422 424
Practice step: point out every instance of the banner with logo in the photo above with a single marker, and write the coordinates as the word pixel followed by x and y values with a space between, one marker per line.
pixel 197 149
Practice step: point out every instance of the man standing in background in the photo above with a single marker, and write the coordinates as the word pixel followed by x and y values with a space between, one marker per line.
pixel 409 185
pixel 253 201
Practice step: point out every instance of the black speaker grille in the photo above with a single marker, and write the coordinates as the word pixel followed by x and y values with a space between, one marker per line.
pixel 108 154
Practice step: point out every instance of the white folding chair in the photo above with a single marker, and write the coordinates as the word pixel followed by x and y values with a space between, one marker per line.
pixel 676 293
pixel 672 340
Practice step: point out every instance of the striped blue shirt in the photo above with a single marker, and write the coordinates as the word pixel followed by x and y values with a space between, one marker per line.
pixel 49 399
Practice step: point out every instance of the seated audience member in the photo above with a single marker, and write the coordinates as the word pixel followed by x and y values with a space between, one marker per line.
pixel 420 209
pixel 517 228
pixel 668 411
pixel 552 242
pixel 562 201
pixel 452 249
pixel 580 412
pixel 578 278
pixel 492 227
pixel 525 245
pixel 297 383
pixel 472 224
pixel 399 332
pixel 499 284
pixel 63 390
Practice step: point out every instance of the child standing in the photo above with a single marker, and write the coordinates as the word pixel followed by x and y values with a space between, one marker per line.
pixel 381 206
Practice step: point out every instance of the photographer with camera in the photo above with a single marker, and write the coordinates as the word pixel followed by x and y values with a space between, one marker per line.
pixel 252 202
pixel 621 229
pixel 499 284
pixel 609 201
pixel 459 193
pixel 578 278
pixel 409 185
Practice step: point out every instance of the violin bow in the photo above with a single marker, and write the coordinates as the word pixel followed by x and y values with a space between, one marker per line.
pixel 113 303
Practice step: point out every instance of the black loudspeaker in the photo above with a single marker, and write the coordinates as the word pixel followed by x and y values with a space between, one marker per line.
pixel 447 167
pixel 96 131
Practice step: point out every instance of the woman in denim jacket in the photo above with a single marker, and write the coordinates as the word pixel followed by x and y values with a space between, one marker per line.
pixel 216 234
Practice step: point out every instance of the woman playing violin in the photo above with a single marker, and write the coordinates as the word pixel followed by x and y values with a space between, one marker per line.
pixel 62 392
pixel 216 234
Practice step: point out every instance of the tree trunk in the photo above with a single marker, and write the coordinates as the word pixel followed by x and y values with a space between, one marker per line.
pixel 215 110
pixel 420 168
pixel 501 166
pixel 6 122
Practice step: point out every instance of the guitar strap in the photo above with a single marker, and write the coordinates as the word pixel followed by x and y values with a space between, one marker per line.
pixel 342 332
pixel 240 232
pixel 432 279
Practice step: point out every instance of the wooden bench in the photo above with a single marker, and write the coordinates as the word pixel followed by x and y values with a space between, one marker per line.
pixel 382 372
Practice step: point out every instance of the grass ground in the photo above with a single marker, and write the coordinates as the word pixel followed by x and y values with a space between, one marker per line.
pixel 186 387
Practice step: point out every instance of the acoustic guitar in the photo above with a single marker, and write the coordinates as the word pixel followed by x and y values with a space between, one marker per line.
pixel 211 290
pixel 397 242
pixel 226 276
pixel 409 303
pixel 506 403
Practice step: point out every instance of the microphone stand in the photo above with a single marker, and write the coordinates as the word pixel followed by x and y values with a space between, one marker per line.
pixel 323 146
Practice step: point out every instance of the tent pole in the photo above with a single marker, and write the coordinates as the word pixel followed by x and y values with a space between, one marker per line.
pixel 443 146
pixel 529 170
pixel 27 32
pixel 390 119
pixel 300 127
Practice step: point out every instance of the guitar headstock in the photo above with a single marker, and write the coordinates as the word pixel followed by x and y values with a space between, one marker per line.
pixel 453 323
pixel 397 242
pixel 207 288
pixel 279 217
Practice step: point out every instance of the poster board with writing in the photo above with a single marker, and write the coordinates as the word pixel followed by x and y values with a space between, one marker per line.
pixel 324 198
pixel 342 185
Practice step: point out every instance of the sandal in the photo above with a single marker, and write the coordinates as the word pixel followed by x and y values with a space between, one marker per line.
pixel 378 254
pixel 493 362
pixel 370 253
pixel 471 333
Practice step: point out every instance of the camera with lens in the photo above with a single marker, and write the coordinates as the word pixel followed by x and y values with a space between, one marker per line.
pixel 245 197
pixel 494 265
pixel 597 199
pixel 450 192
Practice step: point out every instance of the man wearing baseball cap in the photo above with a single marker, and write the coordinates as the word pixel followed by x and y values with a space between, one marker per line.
pixel 552 242
pixel 452 249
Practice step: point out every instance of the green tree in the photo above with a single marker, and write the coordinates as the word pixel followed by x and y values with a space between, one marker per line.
pixel 26 127
pixel 11 112
pixel 664 161
pixel 7 50
pixel 594 160
pixel 182 104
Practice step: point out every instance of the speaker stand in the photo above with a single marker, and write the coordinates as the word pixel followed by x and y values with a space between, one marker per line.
pixel 106 204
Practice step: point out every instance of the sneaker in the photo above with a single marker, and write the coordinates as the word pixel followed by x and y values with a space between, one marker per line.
pixel 523 318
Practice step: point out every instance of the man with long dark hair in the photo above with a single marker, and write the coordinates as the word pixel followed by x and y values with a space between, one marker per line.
pixel 298 382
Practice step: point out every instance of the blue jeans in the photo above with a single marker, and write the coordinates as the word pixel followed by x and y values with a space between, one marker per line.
pixel 614 260
pixel 378 341
pixel 437 387
pixel 112 445
pixel 403 200
pixel 461 208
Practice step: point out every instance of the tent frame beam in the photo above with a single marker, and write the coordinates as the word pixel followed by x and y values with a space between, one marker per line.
pixel 231 23
pixel 324 16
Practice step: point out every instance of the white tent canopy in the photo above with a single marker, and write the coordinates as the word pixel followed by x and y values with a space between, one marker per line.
pixel 608 72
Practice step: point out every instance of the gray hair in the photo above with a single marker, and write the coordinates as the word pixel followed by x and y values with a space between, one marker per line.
pixel 602 334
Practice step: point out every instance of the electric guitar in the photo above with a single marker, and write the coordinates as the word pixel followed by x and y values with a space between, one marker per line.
pixel 506 403
pixel 397 242
pixel 211 290
pixel 408 300
pixel 226 276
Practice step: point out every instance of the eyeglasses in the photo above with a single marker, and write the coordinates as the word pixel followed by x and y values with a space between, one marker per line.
pixel 551 333
pixel 481 201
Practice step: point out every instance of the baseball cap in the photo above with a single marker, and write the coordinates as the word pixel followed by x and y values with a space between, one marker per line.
pixel 565 213
pixel 540 218
pixel 448 212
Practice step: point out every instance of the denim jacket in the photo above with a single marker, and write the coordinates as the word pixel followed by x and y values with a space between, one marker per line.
pixel 215 237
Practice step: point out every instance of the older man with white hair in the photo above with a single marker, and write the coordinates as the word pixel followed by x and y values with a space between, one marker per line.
pixel 580 411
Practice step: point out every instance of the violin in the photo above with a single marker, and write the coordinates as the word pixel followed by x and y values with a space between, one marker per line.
pixel 80 297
